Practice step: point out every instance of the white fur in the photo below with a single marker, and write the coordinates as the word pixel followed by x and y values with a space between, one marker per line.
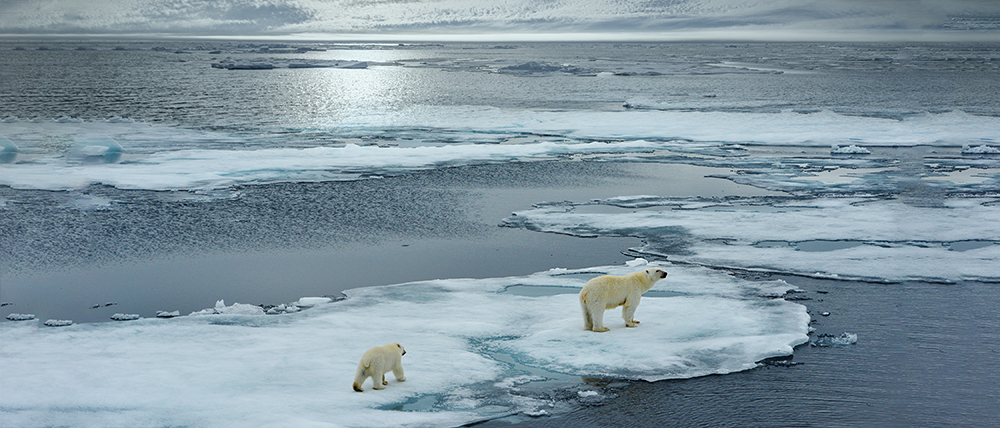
pixel 610 291
pixel 376 362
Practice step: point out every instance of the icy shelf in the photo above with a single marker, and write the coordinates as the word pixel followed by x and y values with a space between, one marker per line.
pixel 472 353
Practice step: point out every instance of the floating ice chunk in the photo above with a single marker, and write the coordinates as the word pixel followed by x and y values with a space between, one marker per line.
pixel 165 314
pixel 849 150
pixel 21 317
pixel 247 66
pixel 636 262
pixel 829 340
pixel 585 394
pixel 980 150
pixel 58 323
pixel 97 147
pixel 308 302
pixel 8 151
pixel 236 309
pixel 125 317
pixel 281 309
pixel 537 67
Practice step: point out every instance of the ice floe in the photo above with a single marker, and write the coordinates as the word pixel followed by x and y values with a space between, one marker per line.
pixel 8 151
pixel 473 351
pixel 980 150
pixel 234 309
pixel 829 340
pixel 125 317
pixel 849 150
pixel 21 317
pixel 168 158
pixel 888 240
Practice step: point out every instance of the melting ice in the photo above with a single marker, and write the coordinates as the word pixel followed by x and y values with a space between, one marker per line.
pixel 471 350
pixel 159 157
pixel 890 239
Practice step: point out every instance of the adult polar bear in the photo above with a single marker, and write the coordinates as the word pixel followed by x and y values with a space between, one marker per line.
pixel 378 361
pixel 611 291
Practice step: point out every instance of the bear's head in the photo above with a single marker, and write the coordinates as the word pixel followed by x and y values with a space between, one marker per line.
pixel 656 274
pixel 399 348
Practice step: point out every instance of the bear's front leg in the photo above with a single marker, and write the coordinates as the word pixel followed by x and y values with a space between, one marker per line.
pixel 398 371
pixel 628 313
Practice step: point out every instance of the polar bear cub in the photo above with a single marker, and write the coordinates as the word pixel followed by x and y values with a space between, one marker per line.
pixel 376 362
pixel 611 291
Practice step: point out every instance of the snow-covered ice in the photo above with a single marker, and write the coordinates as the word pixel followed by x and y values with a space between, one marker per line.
pixel 443 136
pixel 884 239
pixel 237 368
pixel 849 150
pixel 980 150
pixel 125 317
pixel 21 317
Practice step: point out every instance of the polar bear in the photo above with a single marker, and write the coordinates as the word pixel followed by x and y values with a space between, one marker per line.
pixel 376 362
pixel 610 291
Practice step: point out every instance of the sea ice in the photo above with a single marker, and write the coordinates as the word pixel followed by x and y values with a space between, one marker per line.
pixel 849 150
pixel 980 150
pixel 58 323
pixel 907 244
pixel 308 302
pixel 8 151
pixel 236 309
pixel 194 163
pixel 233 368
pixel 828 340
pixel 125 317
pixel 21 317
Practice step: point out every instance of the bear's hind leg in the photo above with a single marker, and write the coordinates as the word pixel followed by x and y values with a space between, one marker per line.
pixel 378 381
pixel 359 379
pixel 598 317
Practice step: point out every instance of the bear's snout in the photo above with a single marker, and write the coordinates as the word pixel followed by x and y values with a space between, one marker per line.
pixel 663 274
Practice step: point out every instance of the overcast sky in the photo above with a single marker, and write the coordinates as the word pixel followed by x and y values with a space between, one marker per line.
pixel 506 19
